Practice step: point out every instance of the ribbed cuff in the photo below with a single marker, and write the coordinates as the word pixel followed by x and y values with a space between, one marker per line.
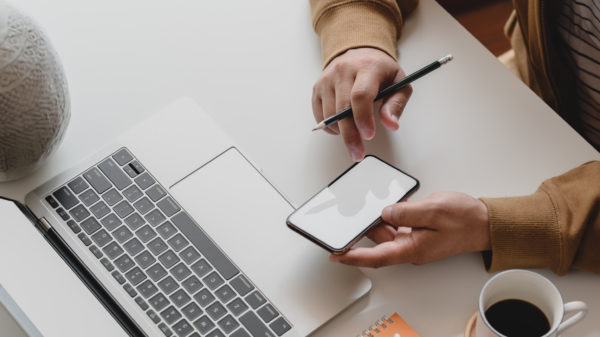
pixel 356 25
pixel 524 233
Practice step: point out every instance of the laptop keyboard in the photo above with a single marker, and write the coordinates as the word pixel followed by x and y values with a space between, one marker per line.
pixel 168 265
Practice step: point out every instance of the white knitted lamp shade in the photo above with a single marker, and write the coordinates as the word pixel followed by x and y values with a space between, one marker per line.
pixel 34 98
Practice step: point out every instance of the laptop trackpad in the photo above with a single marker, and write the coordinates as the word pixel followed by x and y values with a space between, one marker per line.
pixel 245 216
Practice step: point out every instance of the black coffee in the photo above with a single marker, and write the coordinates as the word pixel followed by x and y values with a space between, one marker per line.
pixel 517 318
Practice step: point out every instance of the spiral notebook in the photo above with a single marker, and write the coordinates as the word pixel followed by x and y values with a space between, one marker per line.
pixel 390 326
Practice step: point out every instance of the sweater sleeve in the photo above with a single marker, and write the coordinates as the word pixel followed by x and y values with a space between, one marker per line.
pixel 347 24
pixel 557 227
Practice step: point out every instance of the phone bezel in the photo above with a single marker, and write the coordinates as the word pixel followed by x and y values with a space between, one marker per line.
pixel 359 236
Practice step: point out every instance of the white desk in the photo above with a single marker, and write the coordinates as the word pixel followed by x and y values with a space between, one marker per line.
pixel 470 126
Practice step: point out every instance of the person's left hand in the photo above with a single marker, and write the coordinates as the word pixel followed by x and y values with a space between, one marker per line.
pixel 442 225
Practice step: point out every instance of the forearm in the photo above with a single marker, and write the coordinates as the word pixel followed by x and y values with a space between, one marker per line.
pixel 557 227
pixel 347 24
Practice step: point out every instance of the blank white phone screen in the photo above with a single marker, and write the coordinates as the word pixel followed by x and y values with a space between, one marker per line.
pixel 343 210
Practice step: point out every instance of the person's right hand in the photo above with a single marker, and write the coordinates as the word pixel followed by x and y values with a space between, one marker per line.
pixel 353 79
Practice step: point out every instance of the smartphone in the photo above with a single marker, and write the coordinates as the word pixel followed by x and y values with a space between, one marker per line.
pixel 341 213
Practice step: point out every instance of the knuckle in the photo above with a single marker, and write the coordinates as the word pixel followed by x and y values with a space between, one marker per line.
pixel 360 94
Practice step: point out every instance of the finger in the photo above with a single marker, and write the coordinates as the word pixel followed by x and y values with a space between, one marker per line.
pixel 414 214
pixel 350 134
pixel 385 254
pixel 393 106
pixel 317 107
pixel 363 94
pixel 328 107
pixel 381 233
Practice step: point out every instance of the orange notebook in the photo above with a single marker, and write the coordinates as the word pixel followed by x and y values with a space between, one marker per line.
pixel 391 326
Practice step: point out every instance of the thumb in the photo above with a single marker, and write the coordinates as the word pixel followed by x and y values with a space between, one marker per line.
pixel 404 214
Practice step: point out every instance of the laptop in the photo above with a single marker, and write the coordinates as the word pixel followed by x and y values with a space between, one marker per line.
pixel 177 233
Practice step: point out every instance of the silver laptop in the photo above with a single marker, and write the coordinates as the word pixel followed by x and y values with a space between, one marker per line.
pixel 177 233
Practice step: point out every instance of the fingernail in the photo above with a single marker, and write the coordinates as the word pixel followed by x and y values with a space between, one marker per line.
pixel 366 133
pixel 356 155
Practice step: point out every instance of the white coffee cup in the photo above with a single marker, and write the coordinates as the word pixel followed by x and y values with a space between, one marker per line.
pixel 530 287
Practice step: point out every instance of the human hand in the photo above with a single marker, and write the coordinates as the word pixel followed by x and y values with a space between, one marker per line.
pixel 442 225
pixel 353 79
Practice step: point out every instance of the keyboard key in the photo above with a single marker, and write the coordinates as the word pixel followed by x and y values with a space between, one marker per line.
pixel 254 325
pixel 165 330
pixel 122 157
pixel 89 197
pixel 112 250
pixel 145 259
pixel 213 280
pixel 180 271
pixel 237 306
pixel 241 285
pixel 130 171
pixel 74 227
pixel 124 263
pixel 157 246
pixel 114 174
pixel 166 230
pixel 143 205
pixel 180 298
pixel 156 272
pixel 65 197
pixel 123 209
pixel 78 185
pixel 168 259
pixel 79 212
pixel 119 277
pixel 134 221
pixel 122 234
pixel 137 167
pixel 146 233
pixel 141 303
pixel 189 255
pixel 130 291
pixel 170 315
pixel 216 310
pixel 168 285
pixel 156 192
pixel 101 238
pixel 204 324
pixel 86 241
pixel 191 311
pixel 133 246
pixel 155 217
pixel 132 193
pixel 182 328
pixel 192 284
pixel 204 297
pixel 100 209
pixel 62 213
pixel 178 242
pixel 168 206
pixel 153 316
pixel 228 324
pixel 135 276
pixel 107 264
pixel 255 299
pixel 112 197
pixel 99 183
pixel 147 289
pixel 111 221
pixel 90 225
pixel 144 181
pixel 280 326
pixel 204 245
pixel 51 201
pixel 267 313
pixel 215 333
pixel 158 302
pixel 201 268
pixel 240 333
pixel 225 294
pixel 96 251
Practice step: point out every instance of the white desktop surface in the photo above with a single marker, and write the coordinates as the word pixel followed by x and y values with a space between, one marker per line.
pixel 470 126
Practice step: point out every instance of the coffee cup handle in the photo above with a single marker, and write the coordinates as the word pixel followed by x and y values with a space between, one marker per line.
pixel 570 307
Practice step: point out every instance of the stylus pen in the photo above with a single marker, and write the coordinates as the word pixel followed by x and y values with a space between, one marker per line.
pixel 387 91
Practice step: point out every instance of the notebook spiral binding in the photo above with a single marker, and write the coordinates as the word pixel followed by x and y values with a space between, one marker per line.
pixel 377 327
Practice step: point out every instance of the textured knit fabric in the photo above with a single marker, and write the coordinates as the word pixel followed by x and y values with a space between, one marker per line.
pixel 557 227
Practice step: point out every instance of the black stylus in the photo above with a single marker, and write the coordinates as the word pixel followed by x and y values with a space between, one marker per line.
pixel 387 91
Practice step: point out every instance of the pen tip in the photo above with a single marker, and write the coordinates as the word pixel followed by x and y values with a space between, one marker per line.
pixel 319 126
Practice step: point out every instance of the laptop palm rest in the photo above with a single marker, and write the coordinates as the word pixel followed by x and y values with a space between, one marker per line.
pixel 245 216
